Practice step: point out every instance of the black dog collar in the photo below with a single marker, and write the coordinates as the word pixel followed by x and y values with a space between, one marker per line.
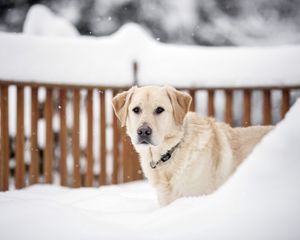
pixel 165 157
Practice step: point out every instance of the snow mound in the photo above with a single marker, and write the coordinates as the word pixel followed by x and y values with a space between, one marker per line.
pixel 41 21
pixel 133 33
pixel 108 60
pixel 261 201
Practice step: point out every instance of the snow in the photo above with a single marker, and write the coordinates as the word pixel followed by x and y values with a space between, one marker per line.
pixel 90 60
pixel 42 22
pixel 260 201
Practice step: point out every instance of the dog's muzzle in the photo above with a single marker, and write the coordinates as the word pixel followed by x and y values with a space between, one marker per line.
pixel 144 134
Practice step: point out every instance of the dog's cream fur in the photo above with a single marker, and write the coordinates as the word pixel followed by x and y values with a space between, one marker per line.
pixel 208 153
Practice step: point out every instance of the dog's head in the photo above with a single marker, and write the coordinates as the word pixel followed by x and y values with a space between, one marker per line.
pixel 151 114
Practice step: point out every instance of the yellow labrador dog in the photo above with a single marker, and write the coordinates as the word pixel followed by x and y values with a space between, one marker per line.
pixel 181 153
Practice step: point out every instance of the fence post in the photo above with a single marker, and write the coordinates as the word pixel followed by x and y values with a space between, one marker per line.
pixel 247 108
pixel 48 153
pixel 89 149
pixel 135 68
pixel 102 138
pixel 267 107
pixel 193 103
pixel 116 140
pixel 34 163
pixel 211 104
pixel 20 167
pixel 126 160
pixel 63 138
pixel 76 139
pixel 285 102
pixel 4 140
pixel 228 107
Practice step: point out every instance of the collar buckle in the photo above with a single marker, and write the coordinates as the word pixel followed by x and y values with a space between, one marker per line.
pixel 165 157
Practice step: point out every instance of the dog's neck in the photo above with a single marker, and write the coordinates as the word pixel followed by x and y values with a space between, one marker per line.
pixel 169 143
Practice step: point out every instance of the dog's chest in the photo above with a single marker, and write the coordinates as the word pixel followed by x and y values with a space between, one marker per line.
pixel 193 177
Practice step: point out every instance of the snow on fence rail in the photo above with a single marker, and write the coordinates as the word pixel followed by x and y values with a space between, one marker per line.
pixel 125 165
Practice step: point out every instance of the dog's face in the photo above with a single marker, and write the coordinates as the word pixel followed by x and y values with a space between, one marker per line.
pixel 151 114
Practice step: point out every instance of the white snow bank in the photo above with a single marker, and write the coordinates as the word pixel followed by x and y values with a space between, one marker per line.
pixel 261 201
pixel 108 61
pixel 41 21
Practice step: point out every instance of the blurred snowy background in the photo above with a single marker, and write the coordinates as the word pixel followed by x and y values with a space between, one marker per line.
pixel 198 22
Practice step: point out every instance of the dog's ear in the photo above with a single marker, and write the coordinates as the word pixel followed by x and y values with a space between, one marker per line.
pixel 120 104
pixel 181 102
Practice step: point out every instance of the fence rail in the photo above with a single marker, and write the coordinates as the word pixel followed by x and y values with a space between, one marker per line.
pixel 122 158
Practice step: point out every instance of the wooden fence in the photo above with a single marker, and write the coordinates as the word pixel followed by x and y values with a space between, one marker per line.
pixel 125 165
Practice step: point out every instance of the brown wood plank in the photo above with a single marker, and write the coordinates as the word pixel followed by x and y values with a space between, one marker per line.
pixel 116 140
pixel 193 103
pixel 34 163
pixel 89 177
pixel 135 69
pixel 285 104
pixel 135 169
pixel 126 160
pixel 20 167
pixel 210 103
pixel 4 140
pixel 228 107
pixel 75 137
pixel 63 134
pixel 48 152
pixel 103 175
pixel 267 118
pixel 247 108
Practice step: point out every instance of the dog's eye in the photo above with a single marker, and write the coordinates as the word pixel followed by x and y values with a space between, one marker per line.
pixel 159 110
pixel 136 110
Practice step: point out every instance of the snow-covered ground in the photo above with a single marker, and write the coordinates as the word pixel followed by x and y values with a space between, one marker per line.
pixel 260 201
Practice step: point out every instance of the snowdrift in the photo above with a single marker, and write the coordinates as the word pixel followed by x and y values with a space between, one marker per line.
pixel 260 201
pixel 108 61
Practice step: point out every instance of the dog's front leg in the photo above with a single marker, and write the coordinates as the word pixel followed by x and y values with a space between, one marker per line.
pixel 164 194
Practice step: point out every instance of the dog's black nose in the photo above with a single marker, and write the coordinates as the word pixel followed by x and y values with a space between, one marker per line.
pixel 144 131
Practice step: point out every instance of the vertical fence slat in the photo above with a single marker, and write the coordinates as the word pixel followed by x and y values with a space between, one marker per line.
pixel 228 107
pixel 89 149
pixel 103 177
pixel 210 103
pixel 193 103
pixel 63 138
pixel 267 107
pixel 4 140
pixel 135 171
pixel 20 167
pixel 48 153
pixel 75 137
pixel 116 165
pixel 34 164
pixel 247 108
pixel 285 104
pixel 126 160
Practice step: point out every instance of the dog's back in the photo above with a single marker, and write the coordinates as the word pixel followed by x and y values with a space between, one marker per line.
pixel 244 139
pixel 217 149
